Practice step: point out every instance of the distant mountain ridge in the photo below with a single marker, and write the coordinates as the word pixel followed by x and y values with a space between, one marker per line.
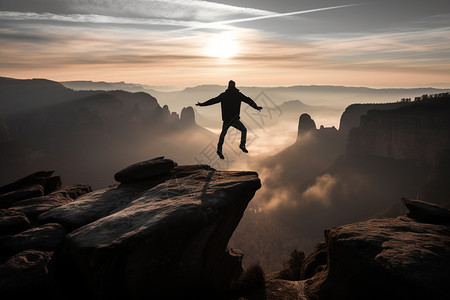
pixel 102 85
pixel 327 95
pixel 17 95
pixel 94 131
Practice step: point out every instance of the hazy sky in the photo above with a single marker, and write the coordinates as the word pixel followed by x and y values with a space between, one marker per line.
pixel 375 43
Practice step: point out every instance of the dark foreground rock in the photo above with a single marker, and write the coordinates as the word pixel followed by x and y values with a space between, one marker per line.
pixel 36 190
pixel 44 178
pixel 315 261
pixel 12 222
pixel 27 274
pixel 28 249
pixel 164 238
pixel 46 237
pixel 390 258
pixel 427 212
pixel 145 169
pixel 160 234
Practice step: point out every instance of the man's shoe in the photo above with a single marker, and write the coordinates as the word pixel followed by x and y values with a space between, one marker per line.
pixel 242 147
pixel 220 154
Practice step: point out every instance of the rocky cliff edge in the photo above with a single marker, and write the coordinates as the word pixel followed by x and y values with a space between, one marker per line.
pixel 162 232
pixel 386 258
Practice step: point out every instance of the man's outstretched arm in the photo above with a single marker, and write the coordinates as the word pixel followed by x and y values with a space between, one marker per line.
pixel 250 102
pixel 209 102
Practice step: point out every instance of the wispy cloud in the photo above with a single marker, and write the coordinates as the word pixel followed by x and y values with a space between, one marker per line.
pixel 279 15
pixel 93 18
pixel 189 10
pixel 269 16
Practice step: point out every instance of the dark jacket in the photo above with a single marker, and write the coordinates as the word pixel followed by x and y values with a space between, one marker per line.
pixel 230 101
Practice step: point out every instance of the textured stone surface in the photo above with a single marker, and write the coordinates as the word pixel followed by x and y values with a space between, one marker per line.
pixel 33 207
pixel 315 261
pixel 26 273
pixel 164 238
pixel 6 200
pixel 12 222
pixel 95 205
pixel 34 178
pixel 427 212
pixel 164 233
pixel 45 237
pixel 388 258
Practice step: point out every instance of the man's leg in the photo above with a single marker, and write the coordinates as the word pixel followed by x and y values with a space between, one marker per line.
pixel 225 127
pixel 240 126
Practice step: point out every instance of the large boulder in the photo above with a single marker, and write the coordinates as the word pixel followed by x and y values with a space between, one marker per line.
pixel 427 212
pixel 40 177
pixel 163 236
pixel 145 169
pixel 6 200
pixel 306 124
pixel 385 258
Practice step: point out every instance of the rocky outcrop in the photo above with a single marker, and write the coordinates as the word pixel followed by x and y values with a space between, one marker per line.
pixel 351 116
pixel 418 131
pixel 305 124
pixel 43 178
pixel 427 212
pixel 35 190
pixel 187 116
pixel 145 169
pixel 28 249
pixel 387 258
pixel 315 261
pixel 162 233
pixel 165 112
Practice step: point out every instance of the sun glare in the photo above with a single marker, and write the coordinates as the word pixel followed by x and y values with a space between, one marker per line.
pixel 222 45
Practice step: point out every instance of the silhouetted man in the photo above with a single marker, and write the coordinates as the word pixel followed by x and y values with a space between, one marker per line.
pixel 230 101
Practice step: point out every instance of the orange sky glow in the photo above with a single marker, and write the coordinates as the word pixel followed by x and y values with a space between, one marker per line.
pixel 62 48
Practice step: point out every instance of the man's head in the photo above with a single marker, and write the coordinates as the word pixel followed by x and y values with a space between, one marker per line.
pixel 231 84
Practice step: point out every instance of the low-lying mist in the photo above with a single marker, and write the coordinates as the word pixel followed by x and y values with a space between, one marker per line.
pixel 313 185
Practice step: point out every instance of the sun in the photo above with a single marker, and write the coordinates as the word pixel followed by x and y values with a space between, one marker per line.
pixel 222 45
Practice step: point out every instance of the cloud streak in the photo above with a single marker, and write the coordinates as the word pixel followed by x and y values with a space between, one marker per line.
pixel 168 20
pixel 192 10
pixel 276 15
pixel 92 18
